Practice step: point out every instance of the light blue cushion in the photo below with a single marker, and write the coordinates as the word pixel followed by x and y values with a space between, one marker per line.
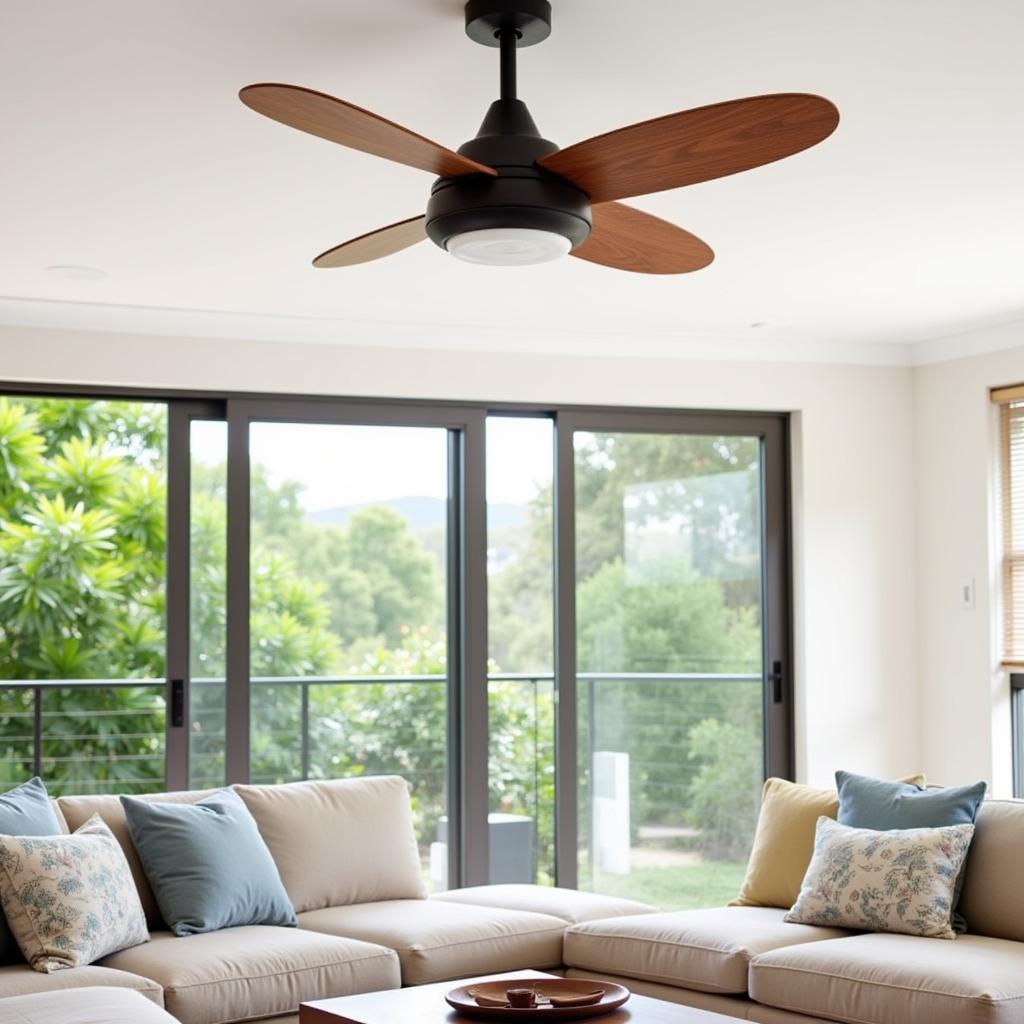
pixel 208 864
pixel 874 803
pixel 880 805
pixel 24 811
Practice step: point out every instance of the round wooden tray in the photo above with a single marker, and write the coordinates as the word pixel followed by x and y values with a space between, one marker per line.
pixel 613 997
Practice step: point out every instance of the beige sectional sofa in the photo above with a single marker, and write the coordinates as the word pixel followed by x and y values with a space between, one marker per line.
pixel 749 963
pixel 347 856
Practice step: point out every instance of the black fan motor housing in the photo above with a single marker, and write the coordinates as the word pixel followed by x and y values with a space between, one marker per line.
pixel 523 195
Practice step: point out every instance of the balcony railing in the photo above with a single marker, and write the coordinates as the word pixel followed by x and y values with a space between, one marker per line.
pixel 108 736
pixel 25 714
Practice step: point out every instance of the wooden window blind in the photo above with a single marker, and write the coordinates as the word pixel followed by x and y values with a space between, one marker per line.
pixel 1011 472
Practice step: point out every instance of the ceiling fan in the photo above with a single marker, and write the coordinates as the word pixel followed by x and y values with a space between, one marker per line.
pixel 511 197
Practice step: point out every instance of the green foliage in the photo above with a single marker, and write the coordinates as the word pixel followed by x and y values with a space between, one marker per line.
pixel 723 795
pixel 20 449
pixel 81 550
pixel 82 509
pixel 684 626
pixel 520 614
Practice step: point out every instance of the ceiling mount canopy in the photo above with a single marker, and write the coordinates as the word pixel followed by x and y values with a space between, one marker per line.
pixel 488 20
pixel 511 197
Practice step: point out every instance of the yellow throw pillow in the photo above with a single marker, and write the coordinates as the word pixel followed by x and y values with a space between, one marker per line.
pixel 784 841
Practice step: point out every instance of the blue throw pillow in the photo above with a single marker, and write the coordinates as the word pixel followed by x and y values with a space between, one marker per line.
pixel 207 863
pixel 24 811
pixel 876 804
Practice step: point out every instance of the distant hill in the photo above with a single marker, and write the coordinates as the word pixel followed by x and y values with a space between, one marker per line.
pixel 420 513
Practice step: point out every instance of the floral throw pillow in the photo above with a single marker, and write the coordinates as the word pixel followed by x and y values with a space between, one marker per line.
pixel 70 900
pixel 901 880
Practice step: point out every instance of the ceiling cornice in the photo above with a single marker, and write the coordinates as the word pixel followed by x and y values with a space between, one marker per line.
pixel 768 344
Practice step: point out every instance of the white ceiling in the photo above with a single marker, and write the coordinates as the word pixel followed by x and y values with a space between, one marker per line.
pixel 125 148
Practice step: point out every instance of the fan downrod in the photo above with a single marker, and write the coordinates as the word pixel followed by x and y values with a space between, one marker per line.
pixel 487 20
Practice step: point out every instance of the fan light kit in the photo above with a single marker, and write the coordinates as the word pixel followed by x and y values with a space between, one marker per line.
pixel 508 247
pixel 510 197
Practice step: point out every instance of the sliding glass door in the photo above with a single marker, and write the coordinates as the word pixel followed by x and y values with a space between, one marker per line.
pixel 347 646
pixel 566 628
pixel 672 670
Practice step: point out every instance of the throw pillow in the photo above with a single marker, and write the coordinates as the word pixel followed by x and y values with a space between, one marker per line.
pixel 70 899
pixel 901 880
pixel 208 864
pixel 877 804
pixel 784 842
pixel 24 811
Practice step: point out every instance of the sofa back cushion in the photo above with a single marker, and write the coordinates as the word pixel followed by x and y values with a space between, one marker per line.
pixel 340 842
pixel 992 899
pixel 77 810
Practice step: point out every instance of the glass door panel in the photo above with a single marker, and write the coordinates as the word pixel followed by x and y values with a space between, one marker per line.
pixel 520 579
pixel 669 663
pixel 207 601
pixel 348 607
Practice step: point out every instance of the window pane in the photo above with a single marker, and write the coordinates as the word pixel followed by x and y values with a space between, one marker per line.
pixel 82 545
pixel 348 610
pixel 207 601
pixel 521 647
pixel 668 596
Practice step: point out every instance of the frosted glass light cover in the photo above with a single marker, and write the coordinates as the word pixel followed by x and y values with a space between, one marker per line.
pixel 509 247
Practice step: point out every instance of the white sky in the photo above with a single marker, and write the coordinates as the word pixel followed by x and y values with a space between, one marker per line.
pixel 350 465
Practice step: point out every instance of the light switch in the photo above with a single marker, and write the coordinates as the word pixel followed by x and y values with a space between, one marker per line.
pixel 967 593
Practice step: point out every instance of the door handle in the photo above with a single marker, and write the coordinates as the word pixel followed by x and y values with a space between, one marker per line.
pixel 776 679
pixel 177 703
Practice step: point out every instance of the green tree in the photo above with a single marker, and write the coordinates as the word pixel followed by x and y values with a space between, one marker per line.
pixel 403 578
pixel 81 583
pixel 724 794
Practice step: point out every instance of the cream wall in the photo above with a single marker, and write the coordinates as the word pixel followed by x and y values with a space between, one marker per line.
pixel 854 488
pixel 965 696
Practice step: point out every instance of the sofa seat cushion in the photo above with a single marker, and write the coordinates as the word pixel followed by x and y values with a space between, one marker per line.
pixel 255 971
pixel 20 980
pixel 715 1002
pixel 570 905
pixel 706 950
pixel 436 941
pixel 95 1005
pixel 892 979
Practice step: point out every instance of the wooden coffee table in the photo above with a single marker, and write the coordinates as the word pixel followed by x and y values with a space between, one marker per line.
pixel 424 1004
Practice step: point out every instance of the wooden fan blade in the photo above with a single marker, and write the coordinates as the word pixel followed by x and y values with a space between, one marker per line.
pixel 694 145
pixel 348 125
pixel 375 244
pixel 629 239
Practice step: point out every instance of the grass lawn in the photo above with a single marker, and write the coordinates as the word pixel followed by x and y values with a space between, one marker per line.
pixel 686 887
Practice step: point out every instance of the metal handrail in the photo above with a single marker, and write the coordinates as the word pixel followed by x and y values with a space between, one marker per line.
pixel 359 680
